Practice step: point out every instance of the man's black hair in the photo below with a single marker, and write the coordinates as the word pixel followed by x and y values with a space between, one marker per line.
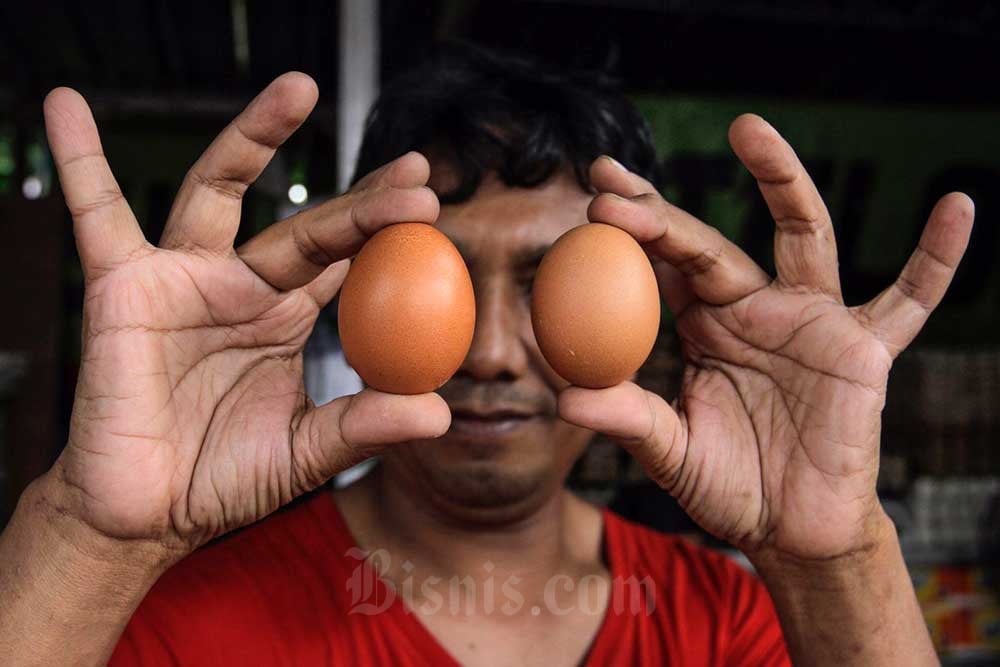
pixel 483 111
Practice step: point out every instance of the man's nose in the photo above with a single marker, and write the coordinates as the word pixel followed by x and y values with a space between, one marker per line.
pixel 497 352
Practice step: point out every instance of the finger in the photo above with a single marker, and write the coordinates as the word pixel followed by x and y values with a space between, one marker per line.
pixel 639 420
pixel 106 231
pixel 295 251
pixel 324 287
pixel 609 175
pixel 805 250
pixel 206 213
pixel 717 270
pixel 898 314
pixel 406 171
pixel 332 437
pixel 674 287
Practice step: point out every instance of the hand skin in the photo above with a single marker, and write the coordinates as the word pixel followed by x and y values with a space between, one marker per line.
pixel 773 441
pixel 856 609
pixel 67 591
pixel 190 417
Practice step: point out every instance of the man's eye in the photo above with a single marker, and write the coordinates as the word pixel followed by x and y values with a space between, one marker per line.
pixel 525 282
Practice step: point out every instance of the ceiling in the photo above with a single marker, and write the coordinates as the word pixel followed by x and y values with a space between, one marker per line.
pixel 933 52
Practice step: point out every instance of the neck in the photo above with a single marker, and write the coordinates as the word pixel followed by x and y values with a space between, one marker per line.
pixel 560 535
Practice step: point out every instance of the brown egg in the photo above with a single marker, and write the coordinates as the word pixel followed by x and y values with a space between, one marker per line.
pixel 595 306
pixel 407 310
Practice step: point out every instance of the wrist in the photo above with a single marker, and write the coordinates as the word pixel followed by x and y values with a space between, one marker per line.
pixel 856 607
pixel 68 591
pixel 77 557
pixel 876 542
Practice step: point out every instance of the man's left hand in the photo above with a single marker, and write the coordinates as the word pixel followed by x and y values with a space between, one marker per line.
pixel 773 441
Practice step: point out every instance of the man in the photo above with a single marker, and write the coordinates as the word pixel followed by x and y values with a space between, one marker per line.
pixel 191 420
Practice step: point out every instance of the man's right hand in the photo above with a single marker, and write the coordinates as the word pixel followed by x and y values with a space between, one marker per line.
pixel 190 417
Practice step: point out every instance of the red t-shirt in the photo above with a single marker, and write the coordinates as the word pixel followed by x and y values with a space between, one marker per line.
pixel 289 591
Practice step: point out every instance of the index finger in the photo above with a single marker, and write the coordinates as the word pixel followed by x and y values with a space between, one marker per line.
pixel 293 252
pixel 716 269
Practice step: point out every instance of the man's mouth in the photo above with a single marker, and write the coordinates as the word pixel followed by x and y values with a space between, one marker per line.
pixel 489 423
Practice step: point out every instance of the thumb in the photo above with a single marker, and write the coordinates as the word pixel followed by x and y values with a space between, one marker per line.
pixel 637 419
pixel 334 436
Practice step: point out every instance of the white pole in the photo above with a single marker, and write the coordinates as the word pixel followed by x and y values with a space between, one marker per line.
pixel 357 84
pixel 327 375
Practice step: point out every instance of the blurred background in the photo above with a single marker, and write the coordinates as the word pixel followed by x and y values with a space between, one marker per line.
pixel 889 107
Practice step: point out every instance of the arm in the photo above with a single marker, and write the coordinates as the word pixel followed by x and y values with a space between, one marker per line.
pixel 190 417
pixel 67 591
pixel 858 609
pixel 773 441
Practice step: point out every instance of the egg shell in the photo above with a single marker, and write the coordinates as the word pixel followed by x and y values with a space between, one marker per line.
pixel 407 310
pixel 595 306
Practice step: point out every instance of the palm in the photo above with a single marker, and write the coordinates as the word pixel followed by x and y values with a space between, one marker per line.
pixel 190 416
pixel 784 419
pixel 773 441
pixel 214 356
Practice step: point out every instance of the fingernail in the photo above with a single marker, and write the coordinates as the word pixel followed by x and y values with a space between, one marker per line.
pixel 615 162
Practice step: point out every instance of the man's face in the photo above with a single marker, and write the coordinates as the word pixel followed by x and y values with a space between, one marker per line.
pixel 506 450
